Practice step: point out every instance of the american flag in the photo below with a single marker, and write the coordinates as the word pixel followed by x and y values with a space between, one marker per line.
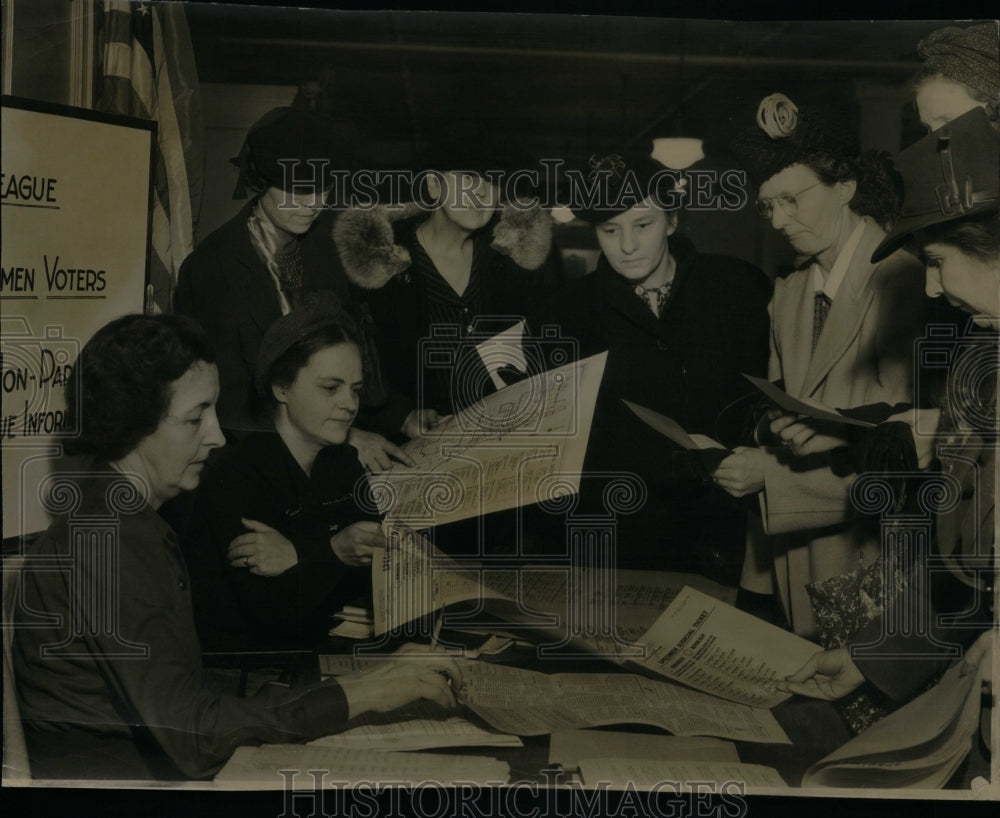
pixel 147 69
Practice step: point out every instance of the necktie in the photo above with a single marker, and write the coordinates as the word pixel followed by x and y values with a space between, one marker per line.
pixel 821 309
pixel 654 297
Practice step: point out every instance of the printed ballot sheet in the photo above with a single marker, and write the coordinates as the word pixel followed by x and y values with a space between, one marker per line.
pixel 715 648
pixel 525 702
pixel 521 445
pixel 812 409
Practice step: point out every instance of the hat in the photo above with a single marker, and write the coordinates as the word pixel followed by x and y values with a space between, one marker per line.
pixel 290 147
pixel 951 173
pixel 615 183
pixel 786 134
pixel 321 309
pixel 968 55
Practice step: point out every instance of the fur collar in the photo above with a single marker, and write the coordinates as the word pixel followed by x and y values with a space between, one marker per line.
pixel 368 249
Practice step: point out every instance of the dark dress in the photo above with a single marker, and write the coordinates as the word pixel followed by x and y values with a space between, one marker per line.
pixel 115 690
pixel 686 364
pixel 259 479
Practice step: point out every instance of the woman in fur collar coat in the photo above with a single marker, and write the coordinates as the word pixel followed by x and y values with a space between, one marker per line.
pixel 440 275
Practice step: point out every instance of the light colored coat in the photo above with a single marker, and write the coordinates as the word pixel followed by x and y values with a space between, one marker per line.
pixel 863 356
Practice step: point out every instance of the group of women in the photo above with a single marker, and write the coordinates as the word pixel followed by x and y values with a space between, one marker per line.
pixel 296 327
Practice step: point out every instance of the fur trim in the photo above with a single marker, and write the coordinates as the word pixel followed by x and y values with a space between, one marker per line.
pixel 367 246
pixel 524 235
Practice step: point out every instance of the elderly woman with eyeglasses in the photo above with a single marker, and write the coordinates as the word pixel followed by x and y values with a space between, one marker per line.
pixel 842 332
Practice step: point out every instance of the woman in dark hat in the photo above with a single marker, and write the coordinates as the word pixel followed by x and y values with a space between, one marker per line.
pixel 679 327
pixel 115 690
pixel 458 261
pixel 259 265
pixel 951 216
pixel 277 543
pixel 961 71
pixel 842 333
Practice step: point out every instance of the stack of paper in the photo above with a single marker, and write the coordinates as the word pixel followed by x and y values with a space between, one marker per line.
pixel 676 776
pixel 334 767
pixel 920 745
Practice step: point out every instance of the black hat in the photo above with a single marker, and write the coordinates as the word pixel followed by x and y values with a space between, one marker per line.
pixel 951 173
pixel 291 147
pixel 786 135
pixel 321 309
pixel 614 183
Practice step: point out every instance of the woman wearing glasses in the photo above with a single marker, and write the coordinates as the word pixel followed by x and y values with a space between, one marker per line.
pixel 842 332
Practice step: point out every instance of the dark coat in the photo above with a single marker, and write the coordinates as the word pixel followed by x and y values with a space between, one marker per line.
pixel 686 364
pixel 516 262
pixel 227 289
pixel 259 479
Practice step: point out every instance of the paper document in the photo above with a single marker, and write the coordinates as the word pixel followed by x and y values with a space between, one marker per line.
pixel 800 407
pixel 527 703
pixel 519 446
pixel 334 767
pixel 671 776
pixel 505 349
pixel 567 747
pixel 919 745
pixel 418 734
pixel 715 648
pixel 710 452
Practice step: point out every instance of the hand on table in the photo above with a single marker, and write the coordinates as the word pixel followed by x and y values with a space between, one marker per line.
pixel 829 674
pixel 265 551
pixel 742 472
pixel 375 452
pixel 355 544
pixel 401 680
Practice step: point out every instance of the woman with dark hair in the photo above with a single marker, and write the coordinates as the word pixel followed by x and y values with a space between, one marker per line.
pixel 954 430
pixel 961 71
pixel 277 544
pixel 679 326
pixel 263 262
pixel 842 333
pixel 113 689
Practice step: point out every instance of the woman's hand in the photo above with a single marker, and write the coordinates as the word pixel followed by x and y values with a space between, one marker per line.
pixel 355 544
pixel 400 681
pixel 421 421
pixel 375 452
pixel 742 472
pixel 829 674
pixel 265 551
pixel 923 425
pixel 804 436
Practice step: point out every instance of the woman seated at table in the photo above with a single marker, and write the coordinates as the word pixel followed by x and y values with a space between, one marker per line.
pixel 277 544
pixel 680 326
pixel 115 690
pixel 959 240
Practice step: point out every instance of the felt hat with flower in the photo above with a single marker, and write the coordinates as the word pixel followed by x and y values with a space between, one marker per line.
pixel 786 135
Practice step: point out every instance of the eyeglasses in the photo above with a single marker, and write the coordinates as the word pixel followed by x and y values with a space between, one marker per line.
pixel 787 201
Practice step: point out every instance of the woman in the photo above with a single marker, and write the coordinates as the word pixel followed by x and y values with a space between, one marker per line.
pixel 960 243
pixel 961 71
pixel 680 327
pixel 260 265
pixel 114 690
pixel 445 272
pixel 842 332
pixel 277 543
